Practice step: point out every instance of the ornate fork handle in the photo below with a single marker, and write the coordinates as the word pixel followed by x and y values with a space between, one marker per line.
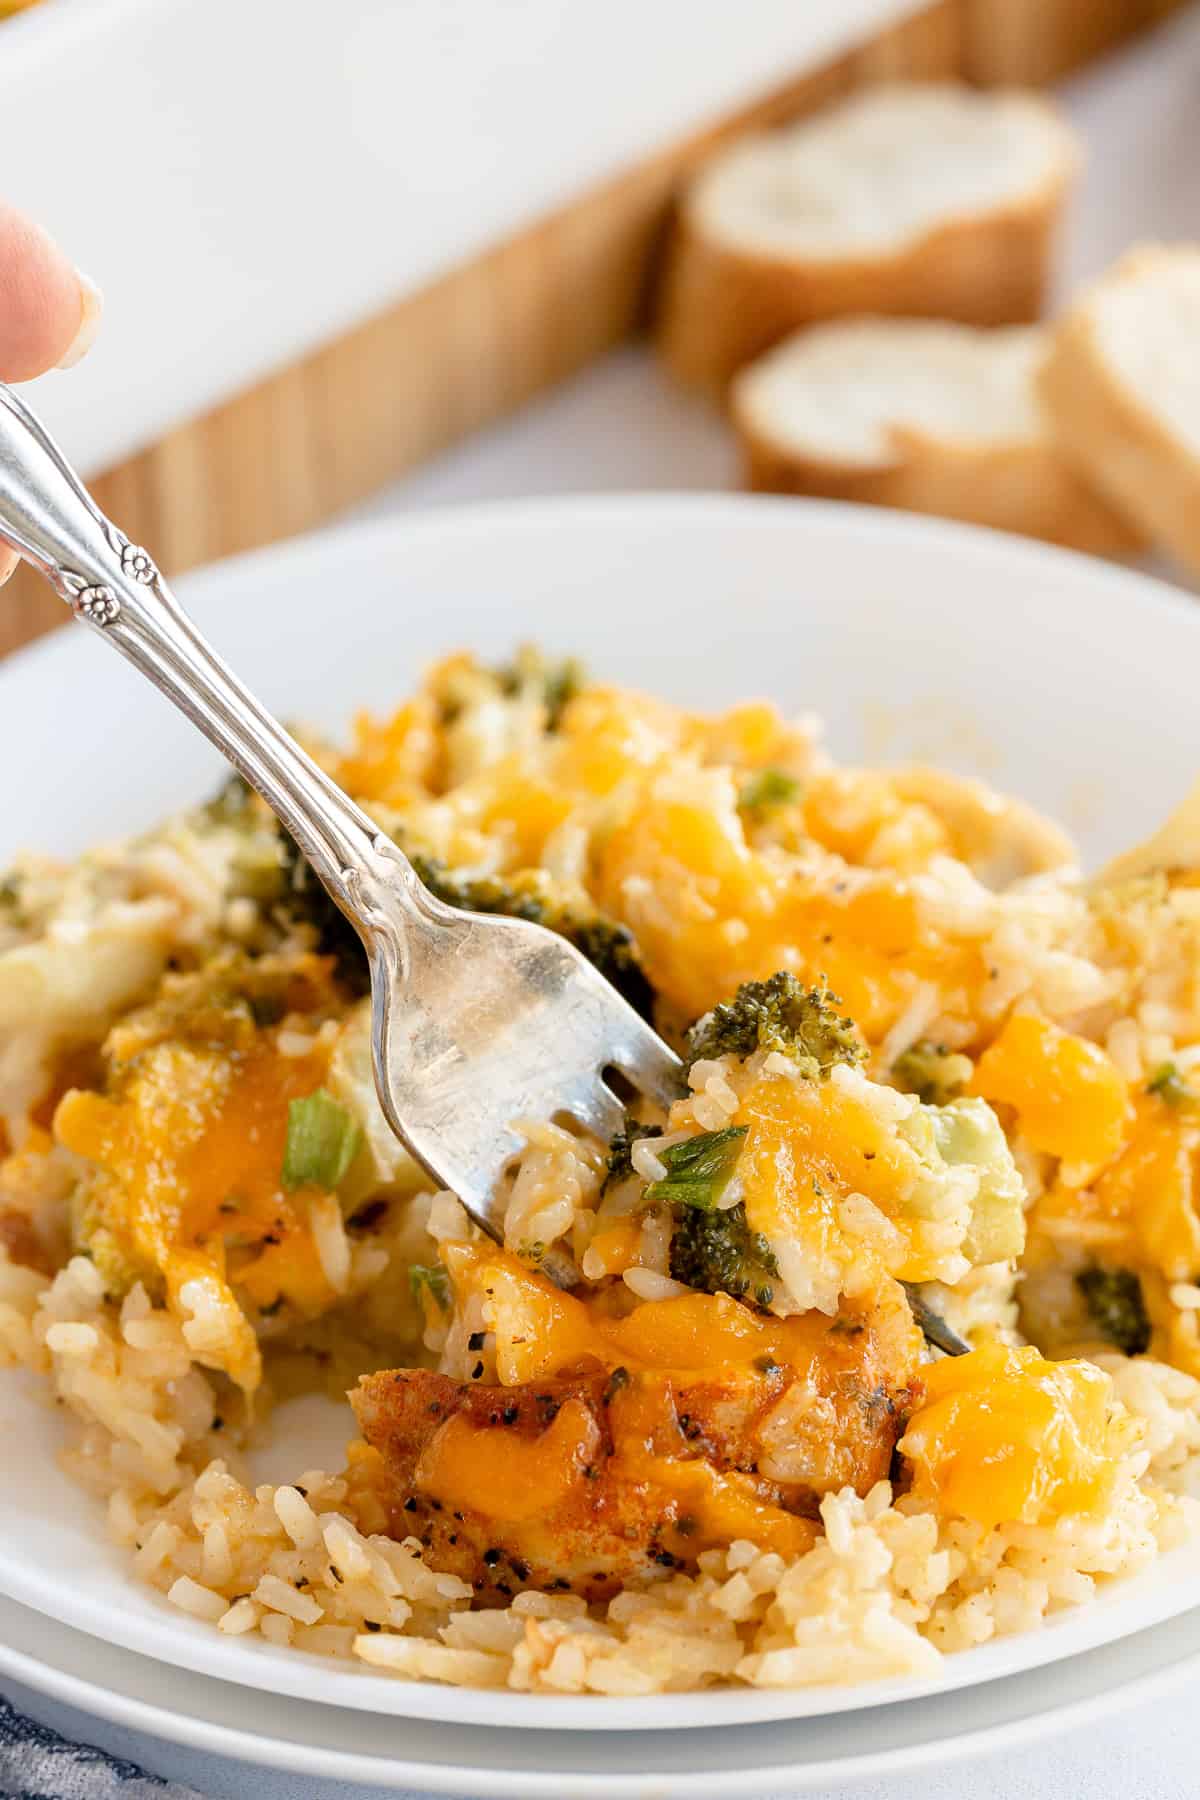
pixel 48 516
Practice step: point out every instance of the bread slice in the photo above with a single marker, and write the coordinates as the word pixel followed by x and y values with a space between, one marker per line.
pixel 916 413
pixel 1121 387
pixel 926 199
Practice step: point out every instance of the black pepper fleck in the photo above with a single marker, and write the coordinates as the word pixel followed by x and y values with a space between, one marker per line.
pixel 617 1380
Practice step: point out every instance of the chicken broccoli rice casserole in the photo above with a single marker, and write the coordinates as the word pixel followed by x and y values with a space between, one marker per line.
pixel 882 1342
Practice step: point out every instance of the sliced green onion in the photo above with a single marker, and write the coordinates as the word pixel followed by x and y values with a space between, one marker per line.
pixel 698 1169
pixel 767 788
pixel 323 1139
pixel 431 1277
pixel 1170 1086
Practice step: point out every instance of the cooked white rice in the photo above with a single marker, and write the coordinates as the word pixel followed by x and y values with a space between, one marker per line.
pixel 888 1590
pixel 892 1585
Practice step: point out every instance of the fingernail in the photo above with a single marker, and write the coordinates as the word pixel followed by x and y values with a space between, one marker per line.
pixel 91 302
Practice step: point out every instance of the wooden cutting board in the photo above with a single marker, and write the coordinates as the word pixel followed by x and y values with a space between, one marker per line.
pixel 328 431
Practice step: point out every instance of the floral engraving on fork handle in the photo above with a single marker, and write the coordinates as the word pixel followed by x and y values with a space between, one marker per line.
pixel 137 563
pixel 95 601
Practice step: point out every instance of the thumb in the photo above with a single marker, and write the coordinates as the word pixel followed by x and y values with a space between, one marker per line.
pixel 49 311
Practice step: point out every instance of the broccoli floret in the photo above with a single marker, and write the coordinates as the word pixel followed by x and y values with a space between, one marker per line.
pixel 272 871
pixel 1114 1300
pixel 712 1247
pixel 518 897
pixel 553 683
pixel 610 947
pixel 620 1151
pixel 931 1072
pixel 779 1014
pixel 718 1253
pixel 305 901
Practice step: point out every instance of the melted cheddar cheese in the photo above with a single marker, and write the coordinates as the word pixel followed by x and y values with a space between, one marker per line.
pixel 636 807
pixel 508 1479
pixel 187 1152
pixel 709 911
pixel 1141 1213
pixel 1005 1437
pixel 541 1330
pixel 809 1147
pixel 738 1365
pixel 1069 1096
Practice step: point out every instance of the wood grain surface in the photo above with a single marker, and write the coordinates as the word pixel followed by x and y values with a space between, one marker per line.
pixel 326 432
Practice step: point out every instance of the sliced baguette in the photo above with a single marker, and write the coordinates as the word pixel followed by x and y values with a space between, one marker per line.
pixel 924 199
pixel 915 413
pixel 1121 388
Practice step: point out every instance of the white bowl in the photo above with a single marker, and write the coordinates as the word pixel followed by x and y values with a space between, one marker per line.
pixel 1069 681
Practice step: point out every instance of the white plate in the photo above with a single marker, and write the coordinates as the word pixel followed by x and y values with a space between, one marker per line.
pixel 113 1693
pixel 1069 681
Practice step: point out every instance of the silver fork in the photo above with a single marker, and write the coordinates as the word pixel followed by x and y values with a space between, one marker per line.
pixel 479 1023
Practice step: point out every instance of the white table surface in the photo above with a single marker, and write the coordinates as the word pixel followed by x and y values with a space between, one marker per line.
pixel 620 427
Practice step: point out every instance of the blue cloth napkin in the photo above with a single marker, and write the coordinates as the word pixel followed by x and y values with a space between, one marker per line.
pixel 36 1764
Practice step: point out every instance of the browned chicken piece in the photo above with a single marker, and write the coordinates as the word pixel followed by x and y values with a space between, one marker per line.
pixel 602 1475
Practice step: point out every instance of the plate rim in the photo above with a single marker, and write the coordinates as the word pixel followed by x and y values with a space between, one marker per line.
pixel 536 511
pixel 300 1676
pixel 289 1754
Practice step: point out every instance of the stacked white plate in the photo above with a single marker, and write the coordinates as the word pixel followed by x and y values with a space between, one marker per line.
pixel 1068 681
